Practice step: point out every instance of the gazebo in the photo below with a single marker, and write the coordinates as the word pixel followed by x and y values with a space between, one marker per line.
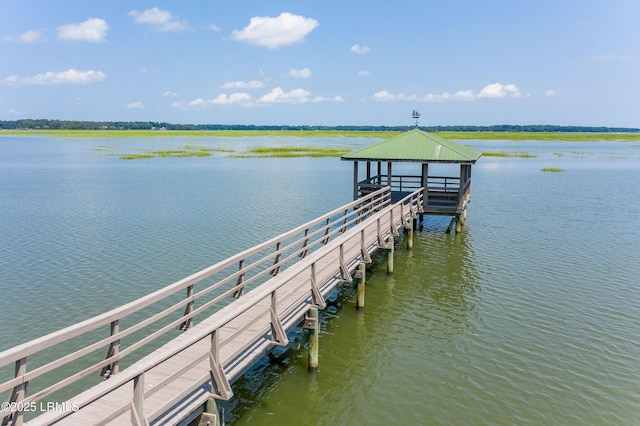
pixel 443 195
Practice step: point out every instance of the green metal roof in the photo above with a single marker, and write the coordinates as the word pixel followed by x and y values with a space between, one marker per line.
pixel 418 146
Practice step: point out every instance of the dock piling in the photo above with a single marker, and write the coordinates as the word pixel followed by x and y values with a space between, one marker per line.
pixel 409 230
pixel 390 250
pixel 209 417
pixel 312 324
pixel 361 275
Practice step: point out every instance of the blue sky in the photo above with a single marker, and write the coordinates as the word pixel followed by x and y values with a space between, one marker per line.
pixel 326 62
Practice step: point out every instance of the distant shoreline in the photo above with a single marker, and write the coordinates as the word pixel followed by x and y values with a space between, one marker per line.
pixel 455 135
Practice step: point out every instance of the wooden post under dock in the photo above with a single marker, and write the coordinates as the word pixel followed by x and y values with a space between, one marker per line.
pixel 390 250
pixel 312 324
pixel 409 230
pixel 362 279
pixel 209 416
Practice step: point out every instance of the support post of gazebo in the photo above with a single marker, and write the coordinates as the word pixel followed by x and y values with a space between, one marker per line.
pixel 355 180
pixel 389 173
pixel 425 185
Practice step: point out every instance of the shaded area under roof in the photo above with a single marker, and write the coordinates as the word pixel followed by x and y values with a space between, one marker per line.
pixel 416 146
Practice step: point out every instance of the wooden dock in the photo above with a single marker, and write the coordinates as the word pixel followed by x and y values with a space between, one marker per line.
pixel 167 353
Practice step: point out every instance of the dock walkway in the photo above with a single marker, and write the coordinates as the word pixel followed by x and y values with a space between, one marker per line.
pixel 168 352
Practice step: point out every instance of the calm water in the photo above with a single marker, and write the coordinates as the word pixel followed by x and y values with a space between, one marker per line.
pixel 530 316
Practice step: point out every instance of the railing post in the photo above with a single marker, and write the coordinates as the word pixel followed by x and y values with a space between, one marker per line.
pixel 303 253
pixel 276 270
pixel 137 405
pixel 363 249
pixel 344 272
pixel 316 296
pixel 187 310
pixel 343 228
pixel 325 240
pixel 114 349
pixel 240 281
pixel 17 395
pixel 392 224
pixel 220 386
pixel 402 216
pixel 381 242
pixel 278 335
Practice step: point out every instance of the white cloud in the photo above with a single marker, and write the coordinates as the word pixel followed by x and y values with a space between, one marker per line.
pixel 462 95
pixel 386 96
pixel 301 73
pixel 135 105
pixel 498 90
pixel 214 28
pixel 364 73
pixel 491 91
pixel 28 37
pixel 360 50
pixel 273 33
pixel 276 96
pixel 253 84
pixel 32 36
pixel 70 76
pixel 239 98
pixel 550 92
pixel 321 99
pixel 159 20
pixel 93 30
pixel 279 96
pixel 169 94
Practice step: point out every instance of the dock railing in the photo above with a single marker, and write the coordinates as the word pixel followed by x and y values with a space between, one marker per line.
pixel 128 333
pixel 444 192
pixel 398 183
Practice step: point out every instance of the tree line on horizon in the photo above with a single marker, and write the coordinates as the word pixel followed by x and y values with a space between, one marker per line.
pixel 45 124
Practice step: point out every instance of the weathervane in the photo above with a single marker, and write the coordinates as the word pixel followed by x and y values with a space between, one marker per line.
pixel 415 116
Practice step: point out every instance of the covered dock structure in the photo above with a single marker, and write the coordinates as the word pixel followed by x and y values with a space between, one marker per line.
pixel 444 194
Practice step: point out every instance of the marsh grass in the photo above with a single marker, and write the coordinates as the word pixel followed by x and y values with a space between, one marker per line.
pixel 543 136
pixel 517 154
pixel 292 151
pixel 255 152
pixel 552 169
pixel 103 148
pixel 187 151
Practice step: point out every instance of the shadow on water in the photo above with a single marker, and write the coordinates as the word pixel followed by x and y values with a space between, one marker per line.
pixel 410 317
